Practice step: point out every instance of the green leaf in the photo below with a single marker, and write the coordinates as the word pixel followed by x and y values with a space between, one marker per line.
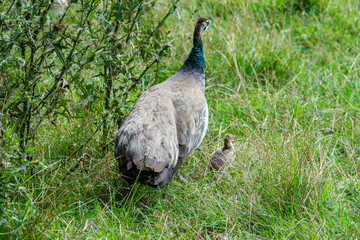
pixel 58 53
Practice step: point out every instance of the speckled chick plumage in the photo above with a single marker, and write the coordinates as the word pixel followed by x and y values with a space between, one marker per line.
pixel 223 156
pixel 167 123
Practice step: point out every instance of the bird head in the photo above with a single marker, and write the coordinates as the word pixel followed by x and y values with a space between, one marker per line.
pixel 229 137
pixel 200 27
pixel 227 141
pixel 202 24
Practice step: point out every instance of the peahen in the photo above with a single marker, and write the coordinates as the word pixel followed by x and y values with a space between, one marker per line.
pixel 223 156
pixel 167 123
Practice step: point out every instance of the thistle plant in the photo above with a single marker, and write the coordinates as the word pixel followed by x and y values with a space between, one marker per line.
pixel 94 54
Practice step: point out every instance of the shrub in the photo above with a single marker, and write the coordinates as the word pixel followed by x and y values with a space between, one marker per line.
pixel 94 54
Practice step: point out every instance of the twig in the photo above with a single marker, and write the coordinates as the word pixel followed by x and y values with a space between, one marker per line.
pixel 134 20
pixel 171 10
pixel 152 63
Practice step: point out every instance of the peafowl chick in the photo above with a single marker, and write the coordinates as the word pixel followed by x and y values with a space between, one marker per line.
pixel 223 156
pixel 167 123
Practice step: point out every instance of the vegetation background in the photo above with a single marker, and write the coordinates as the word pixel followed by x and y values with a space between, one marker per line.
pixel 282 76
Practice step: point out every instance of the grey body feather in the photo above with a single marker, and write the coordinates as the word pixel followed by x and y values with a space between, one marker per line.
pixel 166 125
pixel 223 156
pixel 220 159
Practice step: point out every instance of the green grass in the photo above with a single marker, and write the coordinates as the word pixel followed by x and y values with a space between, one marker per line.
pixel 283 77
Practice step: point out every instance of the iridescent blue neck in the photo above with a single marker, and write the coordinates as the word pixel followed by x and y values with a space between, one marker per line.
pixel 195 61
